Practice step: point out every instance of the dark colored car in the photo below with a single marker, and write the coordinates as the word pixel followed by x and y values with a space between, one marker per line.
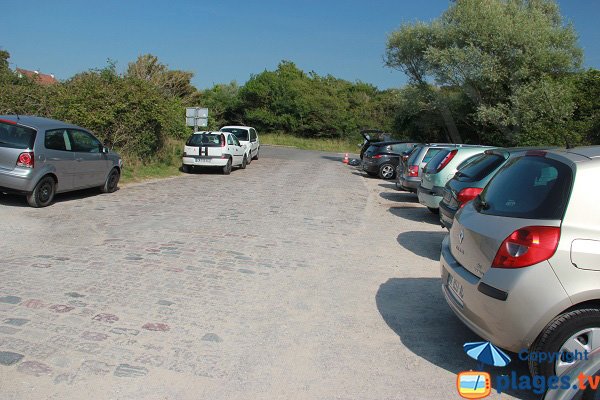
pixel 470 180
pixel 382 158
pixel 371 136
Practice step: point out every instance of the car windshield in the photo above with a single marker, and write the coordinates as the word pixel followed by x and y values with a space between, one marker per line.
pixel 241 134
pixel 16 137
pixel 480 167
pixel 528 187
pixel 205 140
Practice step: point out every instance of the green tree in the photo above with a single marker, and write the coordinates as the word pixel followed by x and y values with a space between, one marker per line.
pixel 494 52
pixel 171 82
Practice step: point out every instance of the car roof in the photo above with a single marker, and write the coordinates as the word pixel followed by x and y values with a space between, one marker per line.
pixel 38 123
pixel 386 143
pixel 237 127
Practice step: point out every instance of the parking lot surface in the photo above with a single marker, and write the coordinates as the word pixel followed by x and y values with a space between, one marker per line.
pixel 297 278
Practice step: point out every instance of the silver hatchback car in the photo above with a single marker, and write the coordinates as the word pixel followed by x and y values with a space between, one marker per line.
pixel 521 265
pixel 40 157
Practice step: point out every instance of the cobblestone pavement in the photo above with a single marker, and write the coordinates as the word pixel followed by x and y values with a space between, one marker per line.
pixel 298 277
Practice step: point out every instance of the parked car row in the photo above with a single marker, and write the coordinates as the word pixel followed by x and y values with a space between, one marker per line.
pixel 231 146
pixel 521 263
pixel 40 157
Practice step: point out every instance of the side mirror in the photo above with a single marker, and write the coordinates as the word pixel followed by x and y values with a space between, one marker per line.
pixel 104 149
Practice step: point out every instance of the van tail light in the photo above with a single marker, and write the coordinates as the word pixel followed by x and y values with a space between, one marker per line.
pixel 446 160
pixel 466 195
pixel 527 246
pixel 25 159
pixel 222 140
pixel 413 170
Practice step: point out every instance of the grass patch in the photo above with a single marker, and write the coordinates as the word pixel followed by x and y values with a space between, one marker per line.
pixel 166 163
pixel 320 144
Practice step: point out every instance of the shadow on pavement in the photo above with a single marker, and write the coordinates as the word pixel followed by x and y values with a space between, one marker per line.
pixel 404 197
pixel 389 186
pixel 416 213
pixel 16 200
pixel 424 244
pixel 414 308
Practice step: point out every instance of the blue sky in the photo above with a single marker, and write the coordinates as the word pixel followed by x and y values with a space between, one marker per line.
pixel 225 40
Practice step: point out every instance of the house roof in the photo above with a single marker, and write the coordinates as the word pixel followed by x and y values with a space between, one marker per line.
pixel 42 79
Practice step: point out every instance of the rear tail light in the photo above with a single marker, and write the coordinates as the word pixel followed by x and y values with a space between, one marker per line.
pixel 377 156
pixel 222 140
pixel 25 159
pixel 413 170
pixel 527 246
pixel 466 195
pixel 446 160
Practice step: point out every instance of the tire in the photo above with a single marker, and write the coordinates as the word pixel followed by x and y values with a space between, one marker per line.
pixel 435 211
pixel 43 193
pixel 185 168
pixel 112 182
pixel 387 171
pixel 244 163
pixel 256 156
pixel 227 168
pixel 573 326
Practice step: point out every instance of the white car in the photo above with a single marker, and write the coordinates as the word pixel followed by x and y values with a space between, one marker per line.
pixel 215 150
pixel 247 136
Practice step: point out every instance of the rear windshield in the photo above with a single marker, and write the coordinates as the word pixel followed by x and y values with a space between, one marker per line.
pixel 431 152
pixel 479 167
pixel 16 137
pixel 241 134
pixel 205 140
pixel 529 187
pixel 436 160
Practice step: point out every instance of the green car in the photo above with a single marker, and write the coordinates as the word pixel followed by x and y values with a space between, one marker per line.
pixel 440 169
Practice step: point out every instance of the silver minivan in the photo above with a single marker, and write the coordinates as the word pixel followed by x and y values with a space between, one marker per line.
pixel 40 157
pixel 521 265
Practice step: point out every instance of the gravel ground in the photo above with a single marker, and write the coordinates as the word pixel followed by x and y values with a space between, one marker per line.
pixel 297 278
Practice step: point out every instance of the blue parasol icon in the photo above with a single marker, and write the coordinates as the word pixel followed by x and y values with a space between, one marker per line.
pixel 486 353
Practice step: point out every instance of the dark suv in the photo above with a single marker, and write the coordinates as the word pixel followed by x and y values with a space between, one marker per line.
pixel 382 158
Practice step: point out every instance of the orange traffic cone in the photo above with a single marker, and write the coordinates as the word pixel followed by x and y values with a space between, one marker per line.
pixel 345 159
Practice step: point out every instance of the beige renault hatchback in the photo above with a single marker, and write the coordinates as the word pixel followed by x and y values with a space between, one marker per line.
pixel 521 265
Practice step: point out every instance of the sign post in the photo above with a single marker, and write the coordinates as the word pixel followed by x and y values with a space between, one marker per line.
pixel 196 117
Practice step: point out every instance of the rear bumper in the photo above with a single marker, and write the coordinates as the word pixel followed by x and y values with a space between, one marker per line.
pixel 18 180
pixel 446 215
pixel 514 321
pixel 409 184
pixel 430 197
pixel 204 161
pixel 371 167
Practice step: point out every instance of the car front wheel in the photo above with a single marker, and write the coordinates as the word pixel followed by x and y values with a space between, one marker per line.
pixel 112 182
pixel 43 193
pixel 573 332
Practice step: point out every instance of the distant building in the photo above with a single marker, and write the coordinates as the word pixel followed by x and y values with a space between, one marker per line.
pixel 42 79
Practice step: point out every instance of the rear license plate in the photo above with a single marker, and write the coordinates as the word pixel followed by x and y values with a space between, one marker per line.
pixel 202 160
pixel 456 289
